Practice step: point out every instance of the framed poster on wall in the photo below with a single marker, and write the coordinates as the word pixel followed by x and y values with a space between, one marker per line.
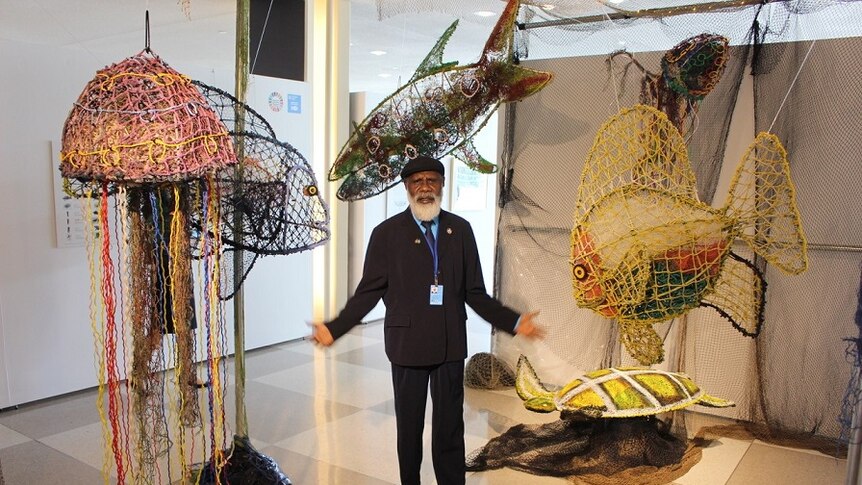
pixel 469 188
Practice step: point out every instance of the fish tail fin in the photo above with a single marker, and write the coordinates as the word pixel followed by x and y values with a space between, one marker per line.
pixel 519 82
pixel 763 200
pixel 499 44
pixel 527 383
pixel 516 82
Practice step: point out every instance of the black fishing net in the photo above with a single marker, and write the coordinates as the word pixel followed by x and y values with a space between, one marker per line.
pixel 850 429
pixel 633 450
pixel 789 382
pixel 245 465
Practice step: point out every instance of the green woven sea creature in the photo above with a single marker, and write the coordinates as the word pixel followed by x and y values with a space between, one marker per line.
pixel 616 392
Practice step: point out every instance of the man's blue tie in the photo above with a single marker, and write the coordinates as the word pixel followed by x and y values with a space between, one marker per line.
pixel 429 234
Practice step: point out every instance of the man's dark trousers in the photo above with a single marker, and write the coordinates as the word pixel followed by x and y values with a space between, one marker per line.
pixel 447 422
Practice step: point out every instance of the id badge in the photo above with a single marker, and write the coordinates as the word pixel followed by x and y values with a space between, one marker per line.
pixel 436 295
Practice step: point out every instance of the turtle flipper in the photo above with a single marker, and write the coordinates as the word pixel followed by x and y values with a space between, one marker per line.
pixel 715 402
pixel 540 405
pixel 529 387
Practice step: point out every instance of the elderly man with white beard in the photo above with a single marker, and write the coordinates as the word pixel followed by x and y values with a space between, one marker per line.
pixel 424 264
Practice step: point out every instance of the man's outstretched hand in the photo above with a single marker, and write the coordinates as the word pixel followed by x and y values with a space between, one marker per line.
pixel 527 326
pixel 321 335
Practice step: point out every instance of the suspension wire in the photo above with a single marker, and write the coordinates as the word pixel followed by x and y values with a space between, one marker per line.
pixel 262 33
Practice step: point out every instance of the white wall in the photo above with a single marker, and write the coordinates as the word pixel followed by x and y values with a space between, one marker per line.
pixel 278 290
pixel 48 343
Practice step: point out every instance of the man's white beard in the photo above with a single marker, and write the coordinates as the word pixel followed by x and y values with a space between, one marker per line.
pixel 425 212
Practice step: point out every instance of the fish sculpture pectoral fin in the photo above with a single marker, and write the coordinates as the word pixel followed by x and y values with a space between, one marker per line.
pixel 366 182
pixel 468 154
pixel 739 295
pixel 715 402
pixel 642 342
pixel 763 201
pixel 631 278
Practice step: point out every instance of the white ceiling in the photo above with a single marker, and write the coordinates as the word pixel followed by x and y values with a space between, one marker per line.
pixel 111 30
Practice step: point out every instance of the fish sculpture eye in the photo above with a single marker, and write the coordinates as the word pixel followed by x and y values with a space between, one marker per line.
pixel 310 190
pixel 579 271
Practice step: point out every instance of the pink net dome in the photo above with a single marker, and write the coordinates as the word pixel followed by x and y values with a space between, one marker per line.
pixel 141 121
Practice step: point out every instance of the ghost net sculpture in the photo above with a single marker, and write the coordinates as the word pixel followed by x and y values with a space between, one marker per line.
pixel 147 135
pixel 140 130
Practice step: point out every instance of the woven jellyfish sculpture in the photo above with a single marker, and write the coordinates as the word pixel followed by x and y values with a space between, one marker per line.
pixel 689 71
pixel 436 113
pixel 644 249
pixel 143 132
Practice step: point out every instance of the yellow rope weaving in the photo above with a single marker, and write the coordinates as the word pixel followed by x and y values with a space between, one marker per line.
pixel 97 326
pixel 645 249
pixel 219 438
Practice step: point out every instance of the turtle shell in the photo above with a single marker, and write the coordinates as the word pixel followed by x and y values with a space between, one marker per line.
pixel 622 392
pixel 616 392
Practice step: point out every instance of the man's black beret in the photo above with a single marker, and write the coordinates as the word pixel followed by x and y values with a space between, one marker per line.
pixel 422 164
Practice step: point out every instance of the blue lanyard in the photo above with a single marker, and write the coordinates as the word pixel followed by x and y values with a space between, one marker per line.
pixel 434 253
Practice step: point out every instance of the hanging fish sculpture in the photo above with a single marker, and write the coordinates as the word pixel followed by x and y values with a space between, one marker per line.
pixel 436 113
pixel 616 392
pixel 644 249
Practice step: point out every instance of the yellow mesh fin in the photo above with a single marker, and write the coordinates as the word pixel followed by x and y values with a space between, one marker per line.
pixel 637 146
pixel 763 200
pixel 738 295
pixel 642 342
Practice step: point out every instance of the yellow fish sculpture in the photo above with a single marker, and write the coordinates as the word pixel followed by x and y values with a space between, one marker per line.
pixel 644 249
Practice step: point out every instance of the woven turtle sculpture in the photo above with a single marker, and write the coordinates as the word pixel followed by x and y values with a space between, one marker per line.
pixel 616 392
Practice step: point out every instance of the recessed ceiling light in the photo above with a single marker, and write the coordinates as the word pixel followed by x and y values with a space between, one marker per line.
pixel 378 53
pixel 616 1
pixel 384 75
pixel 484 13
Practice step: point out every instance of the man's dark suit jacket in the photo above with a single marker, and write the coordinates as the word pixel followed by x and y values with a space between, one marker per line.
pixel 399 269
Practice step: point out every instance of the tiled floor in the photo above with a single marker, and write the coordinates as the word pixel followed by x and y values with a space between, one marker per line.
pixel 326 417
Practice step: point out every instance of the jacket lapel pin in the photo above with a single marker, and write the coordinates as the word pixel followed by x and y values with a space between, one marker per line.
pixel 449 231
pixel 417 242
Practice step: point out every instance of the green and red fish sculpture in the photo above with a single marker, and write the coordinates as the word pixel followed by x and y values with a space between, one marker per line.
pixel 436 113
pixel 644 249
